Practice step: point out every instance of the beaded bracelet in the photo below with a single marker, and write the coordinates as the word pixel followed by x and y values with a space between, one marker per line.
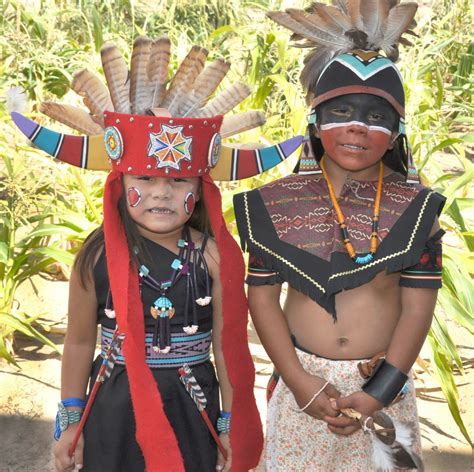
pixel 300 410
pixel 223 422
pixel 65 417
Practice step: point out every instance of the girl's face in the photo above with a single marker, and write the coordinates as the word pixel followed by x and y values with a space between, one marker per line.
pixel 356 130
pixel 160 206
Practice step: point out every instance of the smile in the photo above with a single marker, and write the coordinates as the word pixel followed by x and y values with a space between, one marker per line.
pixel 160 211
pixel 354 147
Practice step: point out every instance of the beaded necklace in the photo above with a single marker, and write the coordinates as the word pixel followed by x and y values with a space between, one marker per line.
pixel 163 310
pixel 341 220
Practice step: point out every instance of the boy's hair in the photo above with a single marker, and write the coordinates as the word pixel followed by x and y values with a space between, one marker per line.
pixel 94 244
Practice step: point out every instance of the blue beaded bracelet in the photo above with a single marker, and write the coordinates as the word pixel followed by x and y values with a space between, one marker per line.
pixel 223 422
pixel 65 417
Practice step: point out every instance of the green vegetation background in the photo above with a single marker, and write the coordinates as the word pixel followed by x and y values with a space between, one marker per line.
pixel 46 210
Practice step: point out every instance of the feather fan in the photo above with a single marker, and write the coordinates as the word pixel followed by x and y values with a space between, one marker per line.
pixel 345 25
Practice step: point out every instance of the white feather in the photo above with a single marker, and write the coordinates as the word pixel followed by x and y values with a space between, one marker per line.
pixel 403 434
pixel 16 100
pixel 381 455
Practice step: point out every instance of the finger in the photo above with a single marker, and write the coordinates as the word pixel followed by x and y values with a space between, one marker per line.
pixel 344 402
pixel 340 421
pixel 79 454
pixel 332 391
pixel 220 461
pixel 346 431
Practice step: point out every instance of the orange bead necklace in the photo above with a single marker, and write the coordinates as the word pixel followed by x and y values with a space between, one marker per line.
pixel 341 220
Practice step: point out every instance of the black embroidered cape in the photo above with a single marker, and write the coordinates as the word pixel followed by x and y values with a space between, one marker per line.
pixel 290 226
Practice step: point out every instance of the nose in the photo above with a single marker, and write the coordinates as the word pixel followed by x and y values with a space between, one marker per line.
pixel 358 127
pixel 161 188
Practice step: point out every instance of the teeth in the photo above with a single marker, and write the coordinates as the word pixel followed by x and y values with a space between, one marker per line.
pixel 160 211
pixel 351 146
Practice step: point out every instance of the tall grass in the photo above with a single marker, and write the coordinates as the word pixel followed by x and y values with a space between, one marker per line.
pixel 41 45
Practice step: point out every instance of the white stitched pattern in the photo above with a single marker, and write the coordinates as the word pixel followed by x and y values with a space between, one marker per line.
pixel 274 254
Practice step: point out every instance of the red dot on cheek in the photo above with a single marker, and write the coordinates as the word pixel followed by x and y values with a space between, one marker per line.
pixel 133 197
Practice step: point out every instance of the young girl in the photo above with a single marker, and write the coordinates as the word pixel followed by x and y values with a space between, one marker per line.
pixel 159 285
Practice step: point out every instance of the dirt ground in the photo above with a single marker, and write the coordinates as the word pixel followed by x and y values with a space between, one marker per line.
pixel 28 397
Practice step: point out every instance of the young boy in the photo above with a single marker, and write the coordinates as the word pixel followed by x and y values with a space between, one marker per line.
pixel 359 245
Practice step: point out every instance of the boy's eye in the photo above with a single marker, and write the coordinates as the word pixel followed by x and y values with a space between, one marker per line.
pixel 376 116
pixel 179 179
pixel 341 111
pixel 144 178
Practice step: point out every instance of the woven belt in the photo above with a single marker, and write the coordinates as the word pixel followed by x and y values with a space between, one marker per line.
pixel 185 349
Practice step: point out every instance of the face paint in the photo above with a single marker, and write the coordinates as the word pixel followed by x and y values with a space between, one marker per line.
pixel 189 203
pixel 134 197
pixel 356 130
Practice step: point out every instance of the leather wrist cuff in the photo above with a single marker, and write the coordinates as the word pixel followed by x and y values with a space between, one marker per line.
pixel 385 383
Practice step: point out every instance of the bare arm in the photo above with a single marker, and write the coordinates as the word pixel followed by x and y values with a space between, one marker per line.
pixel 79 346
pixel 217 325
pixel 272 328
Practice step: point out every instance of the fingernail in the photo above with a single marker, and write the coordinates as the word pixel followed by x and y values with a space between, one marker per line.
pixel 219 467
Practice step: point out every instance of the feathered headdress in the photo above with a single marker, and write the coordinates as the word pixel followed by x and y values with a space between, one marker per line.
pixel 143 124
pixel 346 40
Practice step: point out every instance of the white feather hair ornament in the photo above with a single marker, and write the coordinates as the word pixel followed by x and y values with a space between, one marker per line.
pixel 371 25
pixel 16 100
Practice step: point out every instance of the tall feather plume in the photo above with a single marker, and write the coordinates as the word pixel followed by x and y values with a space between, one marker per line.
pixel 140 91
pixel 345 25
pixel 117 76
pixel 94 93
pixel 158 69
pixel 71 116
pixel 205 85
pixel 241 122
pixel 226 100
pixel 184 78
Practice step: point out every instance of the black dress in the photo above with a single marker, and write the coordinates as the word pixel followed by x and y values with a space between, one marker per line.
pixel 110 444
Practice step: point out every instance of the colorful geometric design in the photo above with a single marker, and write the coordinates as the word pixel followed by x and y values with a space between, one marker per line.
pixel 113 143
pixel 170 146
pixel 236 164
pixel 215 150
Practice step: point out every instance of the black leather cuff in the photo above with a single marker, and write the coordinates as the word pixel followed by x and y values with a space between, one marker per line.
pixel 385 383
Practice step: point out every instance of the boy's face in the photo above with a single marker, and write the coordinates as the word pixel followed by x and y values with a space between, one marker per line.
pixel 356 130
pixel 157 204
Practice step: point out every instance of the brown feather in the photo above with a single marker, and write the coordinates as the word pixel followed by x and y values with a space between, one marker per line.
pixel 287 20
pixel 353 10
pixel 117 76
pixel 225 101
pixel 158 69
pixel 94 93
pixel 331 15
pixel 374 14
pixel 184 78
pixel 241 122
pixel 140 91
pixel 398 21
pixel 205 85
pixel 71 116
pixel 342 5
pixel 321 34
pixel 315 61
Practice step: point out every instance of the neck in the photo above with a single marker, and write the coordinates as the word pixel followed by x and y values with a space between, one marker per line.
pixel 338 175
pixel 167 240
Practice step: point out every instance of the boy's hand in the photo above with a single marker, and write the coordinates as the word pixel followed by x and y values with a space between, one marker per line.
pixel 321 406
pixel 62 461
pixel 359 401
pixel 223 464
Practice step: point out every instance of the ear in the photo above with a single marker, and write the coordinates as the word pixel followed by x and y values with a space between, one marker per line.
pixel 393 138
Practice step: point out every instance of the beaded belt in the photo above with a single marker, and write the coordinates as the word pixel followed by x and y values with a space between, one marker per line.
pixel 185 349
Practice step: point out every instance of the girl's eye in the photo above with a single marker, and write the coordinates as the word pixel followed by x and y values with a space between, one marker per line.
pixel 178 179
pixel 145 178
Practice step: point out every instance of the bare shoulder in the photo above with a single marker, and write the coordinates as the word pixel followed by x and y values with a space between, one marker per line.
pixel 211 253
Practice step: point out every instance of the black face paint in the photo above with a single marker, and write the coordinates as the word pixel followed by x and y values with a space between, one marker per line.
pixel 370 110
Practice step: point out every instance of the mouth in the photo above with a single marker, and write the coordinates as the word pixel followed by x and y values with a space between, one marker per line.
pixel 354 147
pixel 160 211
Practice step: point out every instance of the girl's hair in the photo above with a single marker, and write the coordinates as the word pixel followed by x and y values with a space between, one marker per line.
pixel 94 244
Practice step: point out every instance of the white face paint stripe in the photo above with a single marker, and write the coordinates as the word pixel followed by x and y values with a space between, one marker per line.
pixel 358 123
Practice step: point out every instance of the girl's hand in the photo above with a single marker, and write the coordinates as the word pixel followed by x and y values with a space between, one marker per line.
pixel 359 401
pixel 222 464
pixel 321 406
pixel 62 461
